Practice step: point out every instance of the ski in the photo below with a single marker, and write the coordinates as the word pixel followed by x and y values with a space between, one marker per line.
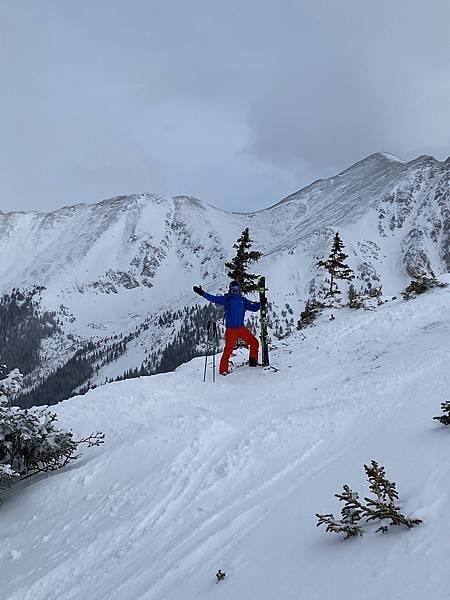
pixel 263 323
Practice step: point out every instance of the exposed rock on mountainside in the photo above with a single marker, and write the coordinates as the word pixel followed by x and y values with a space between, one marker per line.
pixel 121 264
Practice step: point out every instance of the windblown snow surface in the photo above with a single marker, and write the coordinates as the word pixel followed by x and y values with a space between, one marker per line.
pixel 197 476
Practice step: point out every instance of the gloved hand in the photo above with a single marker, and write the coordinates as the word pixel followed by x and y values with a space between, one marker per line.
pixel 264 301
pixel 198 290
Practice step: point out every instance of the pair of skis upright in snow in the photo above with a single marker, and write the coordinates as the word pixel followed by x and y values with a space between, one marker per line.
pixel 263 322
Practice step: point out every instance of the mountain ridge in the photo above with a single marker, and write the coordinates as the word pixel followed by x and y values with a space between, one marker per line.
pixel 385 155
pixel 130 261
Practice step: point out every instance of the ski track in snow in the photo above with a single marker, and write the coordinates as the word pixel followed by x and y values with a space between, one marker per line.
pixel 199 476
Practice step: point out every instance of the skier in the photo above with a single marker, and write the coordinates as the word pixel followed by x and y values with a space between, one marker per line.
pixel 235 306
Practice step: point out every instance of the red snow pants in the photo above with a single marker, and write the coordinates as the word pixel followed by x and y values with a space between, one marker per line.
pixel 231 335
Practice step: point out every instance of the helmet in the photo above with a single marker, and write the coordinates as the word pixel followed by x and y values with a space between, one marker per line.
pixel 234 287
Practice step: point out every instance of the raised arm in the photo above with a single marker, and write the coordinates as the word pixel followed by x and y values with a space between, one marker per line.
pixel 252 306
pixel 201 292
pixel 215 299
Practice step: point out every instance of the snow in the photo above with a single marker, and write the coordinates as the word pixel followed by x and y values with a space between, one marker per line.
pixel 108 267
pixel 392 157
pixel 197 476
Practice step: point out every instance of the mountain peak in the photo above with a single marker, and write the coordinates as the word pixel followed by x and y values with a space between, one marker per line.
pixel 387 156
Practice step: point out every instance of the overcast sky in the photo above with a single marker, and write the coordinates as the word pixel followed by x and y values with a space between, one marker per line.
pixel 237 102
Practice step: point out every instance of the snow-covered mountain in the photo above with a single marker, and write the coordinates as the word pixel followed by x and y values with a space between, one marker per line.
pixel 120 269
pixel 197 476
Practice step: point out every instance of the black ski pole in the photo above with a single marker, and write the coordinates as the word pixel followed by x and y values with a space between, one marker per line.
pixel 214 366
pixel 215 346
pixel 207 350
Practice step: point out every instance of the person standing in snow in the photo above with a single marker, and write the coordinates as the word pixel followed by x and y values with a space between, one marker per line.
pixel 235 306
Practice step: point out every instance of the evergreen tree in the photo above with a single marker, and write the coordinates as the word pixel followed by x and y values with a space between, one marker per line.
pixel 237 267
pixel 309 314
pixel 445 418
pixel 336 266
pixel 382 507
pixel 421 284
pixel 30 442
pixel 351 514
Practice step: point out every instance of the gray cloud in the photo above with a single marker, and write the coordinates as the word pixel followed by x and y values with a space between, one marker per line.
pixel 378 81
pixel 236 103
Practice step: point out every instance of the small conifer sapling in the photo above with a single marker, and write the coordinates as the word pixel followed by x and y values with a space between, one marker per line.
pixel 420 284
pixel 382 507
pixel 309 314
pixel 445 418
pixel 336 267
pixel 351 514
pixel 220 576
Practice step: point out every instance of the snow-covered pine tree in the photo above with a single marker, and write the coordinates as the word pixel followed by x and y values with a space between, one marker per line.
pixel 9 385
pixel 336 266
pixel 30 442
pixel 355 299
pixel 420 284
pixel 309 314
pixel 237 267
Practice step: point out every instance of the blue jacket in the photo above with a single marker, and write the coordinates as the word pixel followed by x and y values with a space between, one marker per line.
pixel 235 307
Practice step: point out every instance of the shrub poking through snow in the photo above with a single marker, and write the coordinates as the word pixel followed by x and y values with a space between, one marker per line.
pixel 355 299
pixel 220 575
pixel 312 310
pixel 30 441
pixel 365 299
pixel 420 285
pixel 445 418
pixel 381 508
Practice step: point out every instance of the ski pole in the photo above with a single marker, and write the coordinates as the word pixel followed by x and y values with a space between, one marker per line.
pixel 215 340
pixel 207 350
pixel 206 360
pixel 216 345
pixel 212 344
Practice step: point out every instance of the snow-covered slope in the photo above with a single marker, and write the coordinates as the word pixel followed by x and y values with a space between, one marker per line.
pixel 199 476
pixel 109 267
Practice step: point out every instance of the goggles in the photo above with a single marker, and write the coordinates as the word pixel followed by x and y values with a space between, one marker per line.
pixel 235 288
